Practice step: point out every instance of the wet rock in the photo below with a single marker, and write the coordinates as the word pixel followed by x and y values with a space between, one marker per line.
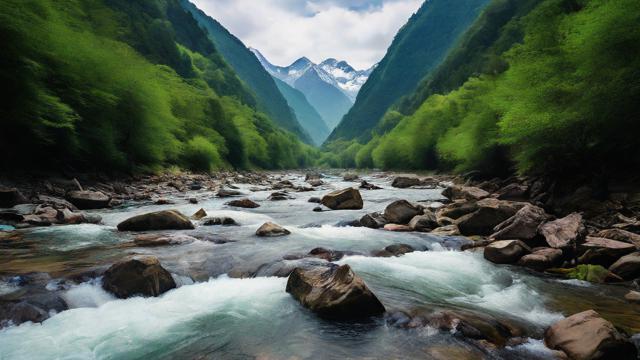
pixel 326 254
pixel 23 312
pixel 564 233
pixel 315 200
pixel 284 184
pixel 140 275
pixel 591 273
pixel 270 229
pixel 155 240
pixel 633 297
pixel 315 182
pixel 347 223
pixel 11 197
pixel 464 192
pixel 398 228
pixel 55 203
pixel 490 213
pixel 200 214
pixel 605 252
pixel 368 186
pixel 334 293
pixel 523 225
pixel 318 209
pixel 161 220
pixel 193 201
pixel 514 192
pixel 404 182
pixel 195 187
pixel 542 259
pixel 223 220
pixel 312 176
pixel 66 216
pixel 448 230
pixel 86 200
pixel 243 203
pixel 394 250
pixel 346 199
pixel 424 223
pixel 457 209
pixel 350 177
pixel 163 201
pixel 223 193
pixel 587 336
pixel 401 212
pixel 278 196
pixel 620 235
pixel 374 220
pixel 506 251
pixel 627 267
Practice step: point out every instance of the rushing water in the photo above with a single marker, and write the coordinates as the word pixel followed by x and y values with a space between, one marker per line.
pixel 213 315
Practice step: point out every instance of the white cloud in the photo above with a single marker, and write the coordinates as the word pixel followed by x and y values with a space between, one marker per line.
pixel 358 31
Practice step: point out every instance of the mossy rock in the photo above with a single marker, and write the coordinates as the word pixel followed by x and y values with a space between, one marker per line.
pixel 591 273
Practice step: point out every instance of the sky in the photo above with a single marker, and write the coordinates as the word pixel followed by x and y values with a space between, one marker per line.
pixel 358 31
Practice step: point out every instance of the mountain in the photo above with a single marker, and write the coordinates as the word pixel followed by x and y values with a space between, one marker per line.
pixel 539 87
pixel 416 50
pixel 307 115
pixel 125 85
pixel 329 86
pixel 270 100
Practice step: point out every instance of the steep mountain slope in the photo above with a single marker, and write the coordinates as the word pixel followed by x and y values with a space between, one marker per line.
pixel 330 102
pixel 560 102
pixel 348 79
pixel 307 115
pixel 249 70
pixel 417 49
pixel 119 85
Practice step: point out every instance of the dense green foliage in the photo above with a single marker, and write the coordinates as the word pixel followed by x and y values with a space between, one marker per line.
pixel 306 114
pixel 122 85
pixel 250 71
pixel 563 101
pixel 416 50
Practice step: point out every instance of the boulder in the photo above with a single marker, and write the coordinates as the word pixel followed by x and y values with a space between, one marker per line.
pixel 523 225
pixel 374 220
pixel 457 209
pixel 56 203
pixel 542 259
pixel 270 229
pixel 490 213
pixel 11 197
pixel 627 267
pixel 401 212
pixel 587 336
pixel 620 235
pixel 350 177
pixel 464 192
pixel 222 193
pixel 160 220
pixel 315 182
pixel 564 233
pixel 334 292
pixel 605 252
pixel 404 182
pixel 66 216
pixel 424 223
pixel 506 251
pixel 200 214
pixel 517 192
pixel 193 201
pixel 368 186
pixel 397 228
pixel 211 221
pixel 140 275
pixel 278 196
pixel 86 200
pixel 243 203
pixel 346 199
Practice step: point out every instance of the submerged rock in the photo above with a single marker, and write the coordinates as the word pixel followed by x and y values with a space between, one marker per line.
pixel 505 251
pixel 334 292
pixel 394 250
pixel 587 336
pixel 160 220
pixel 211 221
pixel 86 200
pixel 154 240
pixel 401 212
pixel 243 203
pixel 270 229
pixel 346 199
pixel 140 275
pixel 564 233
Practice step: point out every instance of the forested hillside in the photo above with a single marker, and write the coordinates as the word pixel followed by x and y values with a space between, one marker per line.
pixel 554 91
pixel 248 68
pixel 122 85
pixel 417 48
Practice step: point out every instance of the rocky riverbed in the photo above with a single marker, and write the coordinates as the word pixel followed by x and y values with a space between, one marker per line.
pixel 311 265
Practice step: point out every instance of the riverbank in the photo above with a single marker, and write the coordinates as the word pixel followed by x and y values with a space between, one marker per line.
pixel 444 293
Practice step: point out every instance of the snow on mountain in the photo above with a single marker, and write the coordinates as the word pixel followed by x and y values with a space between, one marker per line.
pixel 337 73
